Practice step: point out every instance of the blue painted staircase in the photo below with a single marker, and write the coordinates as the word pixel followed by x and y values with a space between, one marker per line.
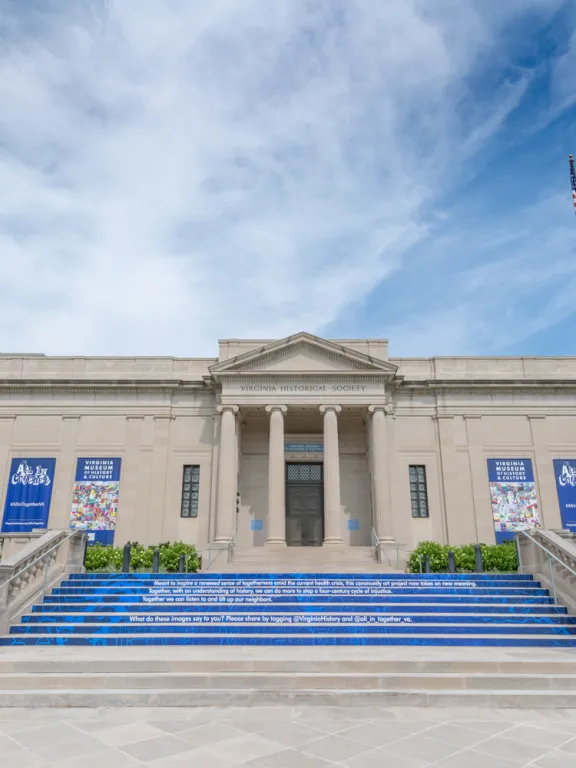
pixel 297 609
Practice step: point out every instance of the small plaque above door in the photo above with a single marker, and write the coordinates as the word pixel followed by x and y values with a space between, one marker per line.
pixel 304 448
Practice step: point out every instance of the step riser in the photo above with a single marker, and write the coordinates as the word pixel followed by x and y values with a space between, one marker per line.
pixel 232 698
pixel 269 682
pixel 439 600
pixel 217 619
pixel 190 609
pixel 96 593
pixel 292 576
pixel 517 641
pixel 290 630
pixel 354 666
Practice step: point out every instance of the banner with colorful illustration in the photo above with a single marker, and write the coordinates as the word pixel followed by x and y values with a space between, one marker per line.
pixel 28 496
pixel 513 495
pixel 565 471
pixel 95 498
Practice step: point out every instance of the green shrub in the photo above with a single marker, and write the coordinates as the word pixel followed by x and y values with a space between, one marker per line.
pixel 497 557
pixel 101 558
pixel 437 553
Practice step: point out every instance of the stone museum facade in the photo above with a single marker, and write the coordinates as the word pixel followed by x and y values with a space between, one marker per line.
pixel 298 442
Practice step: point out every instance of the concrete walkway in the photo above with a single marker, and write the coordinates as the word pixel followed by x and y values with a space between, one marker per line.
pixel 287 737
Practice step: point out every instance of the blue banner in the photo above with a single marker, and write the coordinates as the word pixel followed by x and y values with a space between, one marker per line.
pixel 513 496
pixel 565 471
pixel 28 497
pixel 95 498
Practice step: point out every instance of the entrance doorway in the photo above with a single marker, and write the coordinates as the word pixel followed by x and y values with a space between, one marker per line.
pixel 304 505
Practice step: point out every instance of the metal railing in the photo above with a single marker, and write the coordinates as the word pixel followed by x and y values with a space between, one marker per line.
pixel 378 549
pixel 375 545
pixel 232 544
pixel 550 556
pixel 228 547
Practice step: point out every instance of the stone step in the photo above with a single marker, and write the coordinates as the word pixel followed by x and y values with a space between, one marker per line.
pixel 305 560
pixel 282 681
pixel 80 661
pixel 296 638
pixel 129 697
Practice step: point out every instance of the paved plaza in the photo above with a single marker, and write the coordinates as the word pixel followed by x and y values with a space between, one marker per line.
pixel 287 737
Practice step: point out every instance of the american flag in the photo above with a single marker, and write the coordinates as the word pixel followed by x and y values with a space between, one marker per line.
pixel 573 181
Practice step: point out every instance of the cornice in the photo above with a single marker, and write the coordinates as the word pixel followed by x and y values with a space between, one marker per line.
pixel 488 387
pixel 102 387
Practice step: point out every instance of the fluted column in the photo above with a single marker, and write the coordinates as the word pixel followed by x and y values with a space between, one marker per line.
pixel 227 474
pixel 276 477
pixel 380 474
pixel 332 510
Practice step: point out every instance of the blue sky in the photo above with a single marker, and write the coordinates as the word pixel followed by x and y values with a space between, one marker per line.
pixel 181 171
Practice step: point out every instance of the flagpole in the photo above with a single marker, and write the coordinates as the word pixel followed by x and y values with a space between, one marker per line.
pixel 572 180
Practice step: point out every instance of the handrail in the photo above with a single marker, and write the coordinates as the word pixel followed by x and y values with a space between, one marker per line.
pixel 219 550
pixel 376 549
pixel 375 544
pixel 550 555
pixel 41 557
pixel 232 544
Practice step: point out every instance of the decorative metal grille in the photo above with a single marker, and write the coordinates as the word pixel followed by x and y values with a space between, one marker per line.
pixel 190 488
pixel 418 491
pixel 304 473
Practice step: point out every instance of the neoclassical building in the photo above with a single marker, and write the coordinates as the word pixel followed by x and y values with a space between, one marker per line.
pixel 298 442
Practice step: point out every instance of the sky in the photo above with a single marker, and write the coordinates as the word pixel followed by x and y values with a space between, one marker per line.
pixel 173 172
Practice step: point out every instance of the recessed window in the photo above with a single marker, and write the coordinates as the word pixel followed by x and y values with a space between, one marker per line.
pixel 190 487
pixel 418 491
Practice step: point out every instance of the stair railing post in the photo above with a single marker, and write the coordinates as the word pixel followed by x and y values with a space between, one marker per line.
pixel 552 580
pixel 126 559
pixel 478 558
pixel 451 562
pixel 182 564
pixel 427 564
pixel 156 561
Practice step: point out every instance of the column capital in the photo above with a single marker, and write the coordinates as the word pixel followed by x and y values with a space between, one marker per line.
pixel 270 408
pixel 222 408
pixel 326 408
pixel 386 408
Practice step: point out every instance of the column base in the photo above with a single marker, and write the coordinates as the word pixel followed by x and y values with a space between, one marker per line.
pixel 333 542
pixel 275 543
pixel 221 541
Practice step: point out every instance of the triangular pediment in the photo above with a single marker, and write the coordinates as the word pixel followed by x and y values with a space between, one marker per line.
pixel 302 354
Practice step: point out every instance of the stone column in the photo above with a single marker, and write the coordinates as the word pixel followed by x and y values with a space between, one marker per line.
pixel 276 477
pixel 380 475
pixel 550 515
pixel 332 509
pixel 227 475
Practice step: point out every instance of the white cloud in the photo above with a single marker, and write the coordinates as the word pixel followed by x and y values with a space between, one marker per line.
pixel 519 278
pixel 178 171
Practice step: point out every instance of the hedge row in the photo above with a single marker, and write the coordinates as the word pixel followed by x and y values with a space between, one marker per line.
pixel 496 557
pixel 109 559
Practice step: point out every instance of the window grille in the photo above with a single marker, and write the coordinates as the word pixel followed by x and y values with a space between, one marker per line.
pixel 304 473
pixel 190 487
pixel 418 491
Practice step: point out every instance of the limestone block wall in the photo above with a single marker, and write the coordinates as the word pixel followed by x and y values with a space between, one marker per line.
pixel 455 438
pixel 153 435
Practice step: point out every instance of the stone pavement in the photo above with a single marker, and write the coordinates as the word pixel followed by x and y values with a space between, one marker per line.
pixel 287 737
